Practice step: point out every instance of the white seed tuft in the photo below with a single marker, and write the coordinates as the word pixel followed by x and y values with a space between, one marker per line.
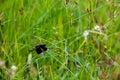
pixel 13 68
pixel 86 33
pixel 97 28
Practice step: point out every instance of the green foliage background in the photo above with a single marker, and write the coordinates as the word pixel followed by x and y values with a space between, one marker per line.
pixel 60 24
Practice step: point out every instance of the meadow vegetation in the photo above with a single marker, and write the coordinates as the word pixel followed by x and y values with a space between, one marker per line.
pixel 82 37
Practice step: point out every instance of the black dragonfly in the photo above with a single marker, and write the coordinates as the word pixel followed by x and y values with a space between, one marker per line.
pixel 39 48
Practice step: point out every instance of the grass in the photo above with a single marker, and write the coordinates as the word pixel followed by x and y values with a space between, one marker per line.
pixel 60 24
